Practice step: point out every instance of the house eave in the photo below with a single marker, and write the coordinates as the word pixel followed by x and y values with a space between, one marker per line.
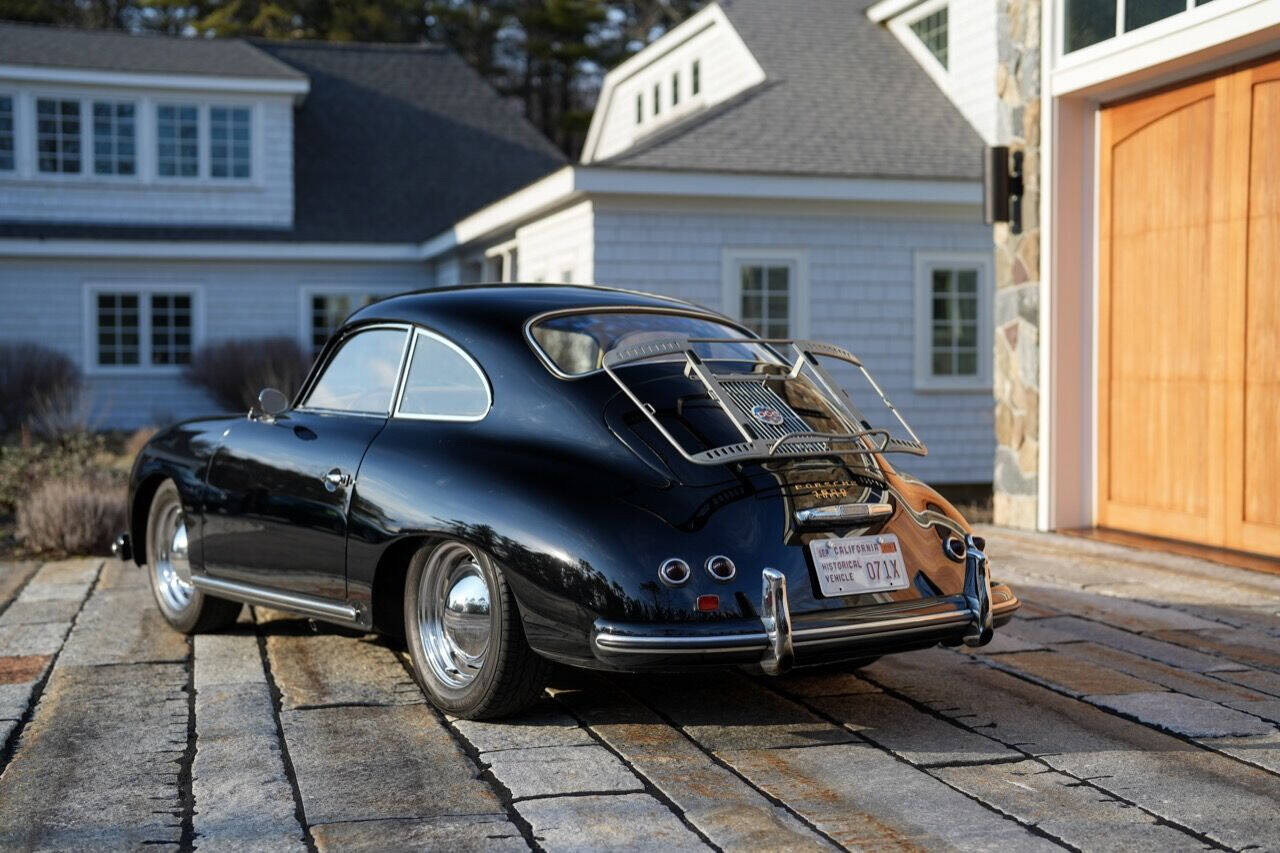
pixel 199 250
pixel 572 183
pixel 295 87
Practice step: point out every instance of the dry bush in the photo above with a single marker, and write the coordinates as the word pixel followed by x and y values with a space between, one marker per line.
pixel 234 371
pixel 39 388
pixel 23 466
pixel 137 440
pixel 73 515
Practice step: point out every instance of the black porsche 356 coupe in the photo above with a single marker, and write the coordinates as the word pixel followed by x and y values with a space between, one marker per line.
pixel 511 475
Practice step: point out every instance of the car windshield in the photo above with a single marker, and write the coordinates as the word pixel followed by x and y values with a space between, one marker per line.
pixel 576 343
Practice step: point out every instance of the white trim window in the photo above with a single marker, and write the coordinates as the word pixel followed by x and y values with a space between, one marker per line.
pixel 58 124
pixel 325 310
pixel 767 290
pixel 8 156
pixel 695 77
pixel 931 30
pixel 953 323
pixel 178 141
pixel 141 328
pixel 229 142
pixel 115 150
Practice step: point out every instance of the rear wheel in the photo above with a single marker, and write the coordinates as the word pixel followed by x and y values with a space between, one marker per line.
pixel 169 569
pixel 465 636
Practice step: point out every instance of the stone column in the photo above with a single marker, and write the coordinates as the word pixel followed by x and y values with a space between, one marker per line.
pixel 1016 380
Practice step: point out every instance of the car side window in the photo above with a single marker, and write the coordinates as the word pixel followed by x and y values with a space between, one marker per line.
pixel 361 376
pixel 443 383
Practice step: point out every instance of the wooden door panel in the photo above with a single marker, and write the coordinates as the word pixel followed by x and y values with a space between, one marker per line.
pixel 1189 312
pixel 1160 374
pixel 1260 502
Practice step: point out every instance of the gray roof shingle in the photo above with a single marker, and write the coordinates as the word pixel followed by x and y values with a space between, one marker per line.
pixel 104 50
pixel 842 97
pixel 393 143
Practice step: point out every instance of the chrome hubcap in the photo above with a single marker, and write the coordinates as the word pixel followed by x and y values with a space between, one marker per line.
pixel 170 563
pixel 454 614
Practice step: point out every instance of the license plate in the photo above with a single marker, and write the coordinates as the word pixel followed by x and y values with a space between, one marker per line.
pixel 857 564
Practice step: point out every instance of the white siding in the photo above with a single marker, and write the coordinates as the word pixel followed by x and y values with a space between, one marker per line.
pixel 726 68
pixel 558 248
pixel 266 199
pixel 970 81
pixel 45 303
pixel 861 284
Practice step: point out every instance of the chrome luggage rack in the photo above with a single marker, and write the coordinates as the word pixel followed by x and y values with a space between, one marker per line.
pixel 789 439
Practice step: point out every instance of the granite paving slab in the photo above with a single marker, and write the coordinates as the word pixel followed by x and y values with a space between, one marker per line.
pixel 1184 715
pixel 627 822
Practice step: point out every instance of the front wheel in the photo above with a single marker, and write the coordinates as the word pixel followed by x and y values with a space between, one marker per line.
pixel 465 636
pixel 169 569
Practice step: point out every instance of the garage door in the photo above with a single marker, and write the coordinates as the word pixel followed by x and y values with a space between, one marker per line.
pixel 1189 312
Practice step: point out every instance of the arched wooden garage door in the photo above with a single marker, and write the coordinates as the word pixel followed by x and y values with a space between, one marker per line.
pixel 1189 312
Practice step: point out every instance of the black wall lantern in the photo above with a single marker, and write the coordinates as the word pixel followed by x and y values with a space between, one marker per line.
pixel 1002 187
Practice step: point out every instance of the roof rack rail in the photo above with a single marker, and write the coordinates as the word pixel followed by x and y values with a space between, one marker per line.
pixel 736 392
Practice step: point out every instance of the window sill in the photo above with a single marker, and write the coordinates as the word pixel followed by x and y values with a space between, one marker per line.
pixel 975 387
pixel 107 182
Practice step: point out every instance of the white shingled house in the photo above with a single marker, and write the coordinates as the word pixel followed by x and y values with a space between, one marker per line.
pixel 790 163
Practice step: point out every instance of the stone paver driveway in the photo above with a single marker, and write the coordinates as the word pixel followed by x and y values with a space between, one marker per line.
pixel 1133 704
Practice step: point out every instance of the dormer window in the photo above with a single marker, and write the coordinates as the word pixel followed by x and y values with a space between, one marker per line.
pixel 657 98
pixel 6 134
pixel 695 74
pixel 229 142
pixel 114 149
pixel 639 107
pixel 178 141
pixel 675 88
pixel 932 32
pixel 58 135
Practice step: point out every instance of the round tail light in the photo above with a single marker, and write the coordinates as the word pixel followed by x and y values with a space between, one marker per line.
pixel 674 572
pixel 721 568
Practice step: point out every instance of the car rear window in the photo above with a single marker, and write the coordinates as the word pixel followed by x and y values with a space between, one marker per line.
pixel 576 343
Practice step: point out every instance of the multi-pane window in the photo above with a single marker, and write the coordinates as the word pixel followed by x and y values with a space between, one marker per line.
pixel 657 98
pixel 328 310
pixel 229 142
pixel 178 140
pixel 114 146
pixel 675 88
pixel 118 325
pixel 58 135
pixel 170 328
pixel 932 32
pixel 639 107
pixel 765 298
pixel 1088 22
pixel 695 78
pixel 6 133
pixel 953 315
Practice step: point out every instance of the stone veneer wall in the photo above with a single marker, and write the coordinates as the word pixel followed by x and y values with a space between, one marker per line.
pixel 1017 345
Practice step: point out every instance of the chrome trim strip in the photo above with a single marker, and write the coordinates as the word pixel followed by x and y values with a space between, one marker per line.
pixel 842 512
pixel 304 604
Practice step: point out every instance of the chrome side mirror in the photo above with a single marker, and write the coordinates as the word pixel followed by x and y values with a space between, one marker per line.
pixel 270 403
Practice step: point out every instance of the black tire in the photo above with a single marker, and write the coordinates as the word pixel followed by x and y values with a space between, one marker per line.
pixel 509 677
pixel 184 607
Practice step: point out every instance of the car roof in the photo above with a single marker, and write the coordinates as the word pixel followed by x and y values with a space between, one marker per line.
pixel 504 306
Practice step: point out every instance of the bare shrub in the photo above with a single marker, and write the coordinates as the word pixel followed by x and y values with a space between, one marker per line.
pixel 137 440
pixel 39 388
pixel 23 466
pixel 234 371
pixel 73 515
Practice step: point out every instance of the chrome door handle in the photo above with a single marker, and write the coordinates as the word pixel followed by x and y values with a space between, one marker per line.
pixel 336 479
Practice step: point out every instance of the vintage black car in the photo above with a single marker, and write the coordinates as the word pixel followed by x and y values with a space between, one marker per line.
pixel 507 476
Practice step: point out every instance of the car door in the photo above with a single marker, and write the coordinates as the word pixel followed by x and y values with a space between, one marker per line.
pixel 280 487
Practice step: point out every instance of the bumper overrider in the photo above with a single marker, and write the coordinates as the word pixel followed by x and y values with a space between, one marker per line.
pixel 776 639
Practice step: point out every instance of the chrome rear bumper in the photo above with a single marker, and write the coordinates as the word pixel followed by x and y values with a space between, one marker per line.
pixel 774 638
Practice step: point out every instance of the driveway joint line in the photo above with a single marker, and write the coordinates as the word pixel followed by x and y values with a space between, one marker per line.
pixel 186 793
pixel 10 747
pixel 277 701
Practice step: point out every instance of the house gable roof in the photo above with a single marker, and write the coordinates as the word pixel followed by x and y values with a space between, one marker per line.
pixel 392 144
pixel 841 97
pixel 105 50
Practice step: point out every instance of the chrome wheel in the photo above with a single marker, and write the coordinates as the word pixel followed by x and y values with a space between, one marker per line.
pixel 169 561
pixel 454 614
